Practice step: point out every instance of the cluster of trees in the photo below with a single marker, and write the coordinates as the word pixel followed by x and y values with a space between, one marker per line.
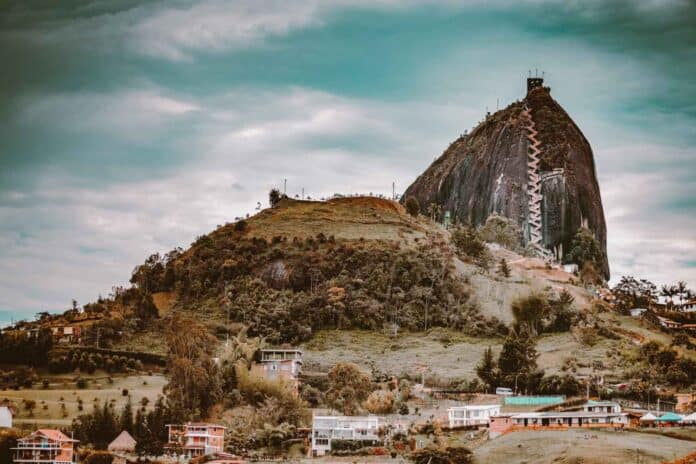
pixel 285 290
pixel 538 313
pixel 631 293
pixel 195 380
pixel 661 363
pixel 21 347
pixel 19 377
pixel 148 428
pixel 89 362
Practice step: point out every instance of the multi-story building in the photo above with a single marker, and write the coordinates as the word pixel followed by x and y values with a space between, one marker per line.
pixel 196 439
pixel 277 364
pixel 328 429
pixel 472 414
pixel 45 446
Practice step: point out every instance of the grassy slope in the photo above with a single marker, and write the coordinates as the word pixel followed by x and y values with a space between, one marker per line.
pixel 99 388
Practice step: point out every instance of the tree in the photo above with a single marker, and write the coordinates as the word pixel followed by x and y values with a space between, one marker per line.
pixel 468 242
pixel 449 455
pixel 348 388
pixel 487 369
pixel 631 293
pixel 126 419
pixel 195 380
pixel 503 231
pixel 585 248
pixel 30 405
pixel 274 196
pixel 518 360
pixel 412 206
pixel 503 268
pixel 530 312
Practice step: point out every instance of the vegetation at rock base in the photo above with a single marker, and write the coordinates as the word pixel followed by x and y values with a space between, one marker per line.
pixel 501 230
pixel 412 206
pixel 586 252
pixel 469 244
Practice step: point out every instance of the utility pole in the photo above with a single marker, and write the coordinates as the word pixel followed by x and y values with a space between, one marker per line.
pixel 285 186
pixel 303 193
pixel 393 191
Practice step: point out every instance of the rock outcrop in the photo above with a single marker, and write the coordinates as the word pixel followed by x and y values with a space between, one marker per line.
pixel 528 149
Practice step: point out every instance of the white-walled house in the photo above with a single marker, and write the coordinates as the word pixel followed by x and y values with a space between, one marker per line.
pixel 472 414
pixel 5 417
pixel 327 429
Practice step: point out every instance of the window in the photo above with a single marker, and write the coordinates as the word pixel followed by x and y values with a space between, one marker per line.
pixel 322 441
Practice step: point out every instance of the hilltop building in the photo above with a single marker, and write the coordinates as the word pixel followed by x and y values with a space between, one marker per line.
pixel 45 446
pixel 326 429
pixel 196 439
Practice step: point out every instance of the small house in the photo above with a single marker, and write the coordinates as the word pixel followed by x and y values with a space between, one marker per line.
pixel 123 443
pixel 279 364
pixel 499 425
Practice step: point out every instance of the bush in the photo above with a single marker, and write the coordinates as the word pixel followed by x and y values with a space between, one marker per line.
pixel 81 383
pixel 240 226
pixel 124 392
pixel 412 206
pixel 380 402
pixel 99 457
pixel 450 455
pixel 468 242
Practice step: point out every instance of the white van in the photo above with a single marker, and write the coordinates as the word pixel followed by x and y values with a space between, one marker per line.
pixel 502 391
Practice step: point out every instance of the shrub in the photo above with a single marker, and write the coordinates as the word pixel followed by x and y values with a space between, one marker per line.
pixel 240 226
pixel 450 455
pixel 124 392
pixel 81 383
pixel 412 206
pixel 380 402
pixel 348 387
pixel 468 242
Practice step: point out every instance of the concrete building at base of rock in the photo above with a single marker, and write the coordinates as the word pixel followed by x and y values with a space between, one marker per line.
pixel 471 415
pixel 279 364
pixel 5 417
pixel 327 430
pixel 45 446
pixel 195 439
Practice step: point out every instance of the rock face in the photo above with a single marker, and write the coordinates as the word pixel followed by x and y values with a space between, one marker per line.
pixel 493 170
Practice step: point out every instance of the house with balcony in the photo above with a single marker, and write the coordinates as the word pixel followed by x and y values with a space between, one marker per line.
pixel 45 446
pixel 472 415
pixel 279 364
pixel 195 439
pixel 328 430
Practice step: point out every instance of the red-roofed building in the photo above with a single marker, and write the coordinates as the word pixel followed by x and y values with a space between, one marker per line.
pixel 196 439
pixel 45 446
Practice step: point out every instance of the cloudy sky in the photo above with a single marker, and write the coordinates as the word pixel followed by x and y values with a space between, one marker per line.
pixel 129 127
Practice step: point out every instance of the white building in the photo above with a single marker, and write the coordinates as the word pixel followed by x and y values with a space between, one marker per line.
pixel 5 417
pixel 637 312
pixel 472 414
pixel 601 406
pixel 327 429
